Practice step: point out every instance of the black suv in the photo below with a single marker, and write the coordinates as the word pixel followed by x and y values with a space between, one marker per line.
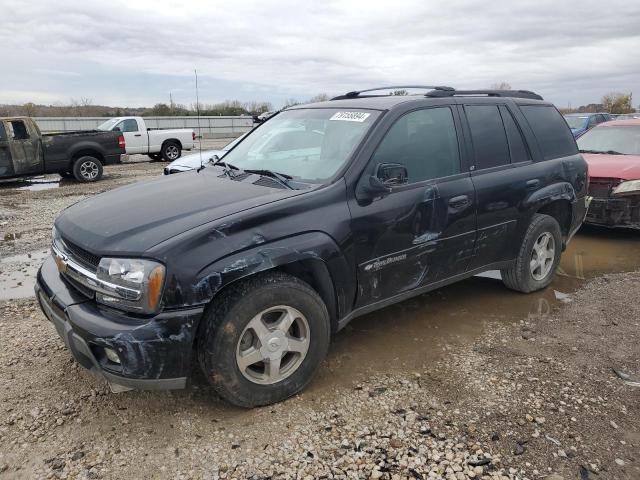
pixel 323 213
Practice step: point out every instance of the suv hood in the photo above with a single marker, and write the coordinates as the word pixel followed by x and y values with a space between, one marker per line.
pixel 625 167
pixel 132 219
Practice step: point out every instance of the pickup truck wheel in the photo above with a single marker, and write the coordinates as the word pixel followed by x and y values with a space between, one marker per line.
pixel 263 339
pixel 171 151
pixel 87 169
pixel 538 258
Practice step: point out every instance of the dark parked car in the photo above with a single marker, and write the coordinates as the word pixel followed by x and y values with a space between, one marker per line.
pixel 256 262
pixel 25 151
pixel 581 122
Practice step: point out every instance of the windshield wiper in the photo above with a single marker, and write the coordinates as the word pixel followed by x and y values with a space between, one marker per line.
pixel 282 178
pixel 607 152
pixel 227 166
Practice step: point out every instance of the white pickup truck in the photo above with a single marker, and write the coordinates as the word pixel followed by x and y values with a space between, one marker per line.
pixel 157 143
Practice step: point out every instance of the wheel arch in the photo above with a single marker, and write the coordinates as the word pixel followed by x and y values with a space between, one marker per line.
pixel 312 257
pixel 171 140
pixel 557 201
pixel 87 152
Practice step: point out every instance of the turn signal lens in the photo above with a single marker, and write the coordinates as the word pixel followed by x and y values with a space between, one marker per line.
pixel 154 287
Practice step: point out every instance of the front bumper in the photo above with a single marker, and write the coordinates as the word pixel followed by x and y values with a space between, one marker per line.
pixel 615 212
pixel 155 353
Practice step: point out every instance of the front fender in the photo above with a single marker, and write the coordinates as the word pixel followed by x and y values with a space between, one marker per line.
pixel 311 247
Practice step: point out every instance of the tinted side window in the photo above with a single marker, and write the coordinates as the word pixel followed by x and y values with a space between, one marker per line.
pixel 488 136
pixel 19 130
pixel 425 142
pixel 517 145
pixel 551 131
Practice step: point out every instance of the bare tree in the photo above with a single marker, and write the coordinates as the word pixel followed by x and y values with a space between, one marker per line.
pixel 321 97
pixel 500 86
pixel 616 102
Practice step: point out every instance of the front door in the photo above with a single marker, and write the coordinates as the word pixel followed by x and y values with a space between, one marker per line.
pixel 423 231
pixel 24 145
pixel 135 139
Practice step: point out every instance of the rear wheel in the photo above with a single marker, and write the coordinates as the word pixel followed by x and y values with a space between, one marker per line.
pixel 538 258
pixel 171 151
pixel 263 339
pixel 87 169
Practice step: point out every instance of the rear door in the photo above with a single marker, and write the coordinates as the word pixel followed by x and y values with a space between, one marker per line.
pixel 135 139
pixel 503 175
pixel 423 231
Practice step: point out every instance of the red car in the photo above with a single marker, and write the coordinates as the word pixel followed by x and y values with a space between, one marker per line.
pixel 612 150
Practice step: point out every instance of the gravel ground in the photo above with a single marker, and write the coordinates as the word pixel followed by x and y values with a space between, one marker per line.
pixel 522 396
pixel 532 399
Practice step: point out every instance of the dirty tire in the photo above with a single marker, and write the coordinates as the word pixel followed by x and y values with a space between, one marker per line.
pixel 225 320
pixel 87 169
pixel 171 151
pixel 519 277
pixel 155 157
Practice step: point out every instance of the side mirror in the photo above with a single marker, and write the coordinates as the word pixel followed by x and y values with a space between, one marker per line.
pixel 391 174
pixel 387 176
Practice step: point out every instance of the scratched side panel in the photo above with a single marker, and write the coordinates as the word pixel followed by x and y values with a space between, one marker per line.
pixel 312 226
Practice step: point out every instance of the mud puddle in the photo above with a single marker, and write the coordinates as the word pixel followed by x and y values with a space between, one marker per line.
pixel 410 335
pixel 18 274
pixel 40 182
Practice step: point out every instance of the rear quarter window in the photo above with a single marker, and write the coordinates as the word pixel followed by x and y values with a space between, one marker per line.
pixel 553 135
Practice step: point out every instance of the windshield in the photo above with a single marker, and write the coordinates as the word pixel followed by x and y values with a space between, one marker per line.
pixel 617 139
pixel 306 144
pixel 576 122
pixel 108 125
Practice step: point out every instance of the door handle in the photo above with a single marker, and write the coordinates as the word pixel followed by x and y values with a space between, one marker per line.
pixel 459 201
pixel 138 135
pixel 533 184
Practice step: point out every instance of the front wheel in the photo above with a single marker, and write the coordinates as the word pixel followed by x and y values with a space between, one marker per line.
pixel 263 339
pixel 87 169
pixel 171 151
pixel 538 258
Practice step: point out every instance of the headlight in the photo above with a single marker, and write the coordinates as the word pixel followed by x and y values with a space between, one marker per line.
pixel 632 187
pixel 137 284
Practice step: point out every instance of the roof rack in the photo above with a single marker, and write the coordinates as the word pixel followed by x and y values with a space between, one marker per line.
pixel 356 93
pixel 489 93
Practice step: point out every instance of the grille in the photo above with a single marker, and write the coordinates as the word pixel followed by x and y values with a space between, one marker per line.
pixel 269 182
pixel 601 187
pixel 87 259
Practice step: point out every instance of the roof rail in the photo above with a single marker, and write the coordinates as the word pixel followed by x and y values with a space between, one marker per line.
pixel 356 93
pixel 488 93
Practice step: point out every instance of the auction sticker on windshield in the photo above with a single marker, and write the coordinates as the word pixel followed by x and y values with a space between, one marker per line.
pixel 350 116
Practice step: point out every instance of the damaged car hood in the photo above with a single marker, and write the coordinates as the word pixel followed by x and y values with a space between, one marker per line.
pixel 131 219
pixel 624 167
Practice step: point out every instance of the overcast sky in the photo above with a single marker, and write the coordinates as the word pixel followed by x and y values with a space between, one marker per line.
pixel 133 53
